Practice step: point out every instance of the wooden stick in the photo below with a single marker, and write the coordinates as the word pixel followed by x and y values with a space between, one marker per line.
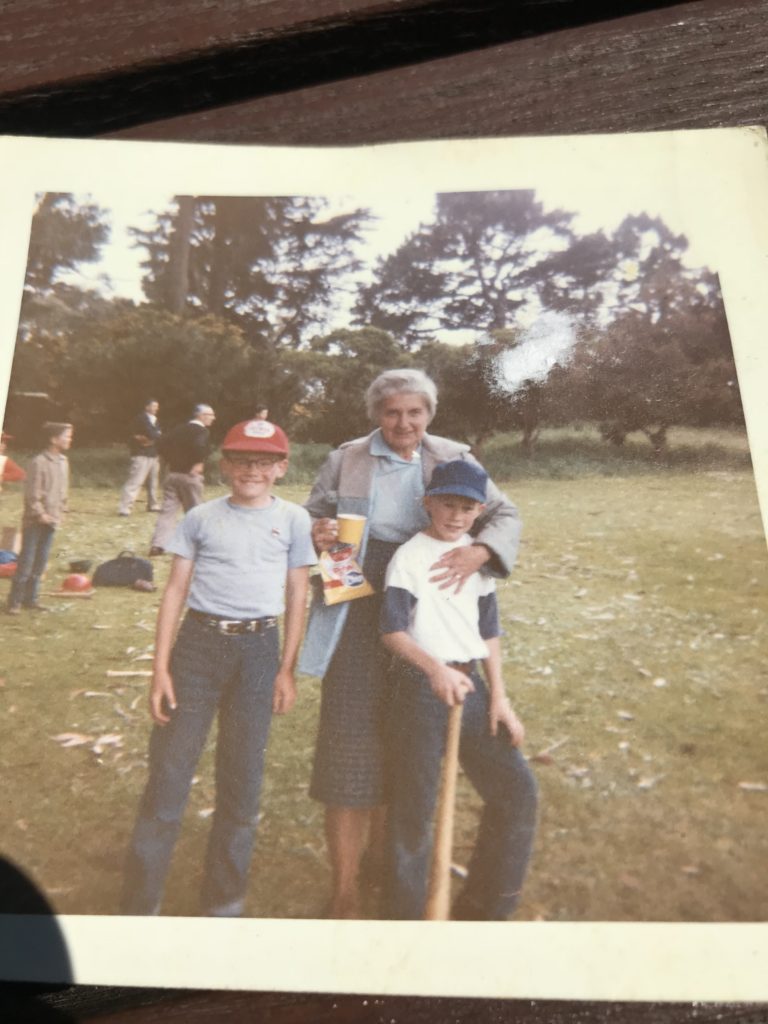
pixel 439 890
pixel 114 674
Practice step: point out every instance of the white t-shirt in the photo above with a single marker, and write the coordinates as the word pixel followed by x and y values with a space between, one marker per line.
pixel 241 555
pixel 447 625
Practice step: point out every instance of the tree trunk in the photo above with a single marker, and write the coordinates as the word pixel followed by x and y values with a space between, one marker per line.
pixel 658 439
pixel 528 440
pixel 219 268
pixel 178 288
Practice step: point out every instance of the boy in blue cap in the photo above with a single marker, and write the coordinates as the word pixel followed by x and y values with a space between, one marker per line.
pixel 441 634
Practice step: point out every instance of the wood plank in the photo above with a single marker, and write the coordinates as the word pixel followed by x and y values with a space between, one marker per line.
pixel 298 1008
pixel 695 65
pixel 44 42
pixel 96 73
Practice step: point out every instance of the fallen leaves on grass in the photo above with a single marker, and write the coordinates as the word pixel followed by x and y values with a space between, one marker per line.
pixel 72 739
pixel 649 781
pixel 110 739
pixel 545 756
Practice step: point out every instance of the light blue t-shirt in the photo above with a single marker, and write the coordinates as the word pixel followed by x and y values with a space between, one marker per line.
pixel 397 512
pixel 241 555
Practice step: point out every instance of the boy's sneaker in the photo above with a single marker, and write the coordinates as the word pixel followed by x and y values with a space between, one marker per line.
pixel 13 611
pixel 37 607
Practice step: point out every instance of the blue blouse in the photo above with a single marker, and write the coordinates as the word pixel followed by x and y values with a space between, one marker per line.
pixel 397 512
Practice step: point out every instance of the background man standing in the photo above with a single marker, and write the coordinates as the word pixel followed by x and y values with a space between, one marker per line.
pixel 184 450
pixel 144 468
pixel 45 501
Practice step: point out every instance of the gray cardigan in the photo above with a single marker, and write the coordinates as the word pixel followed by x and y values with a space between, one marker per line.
pixel 344 485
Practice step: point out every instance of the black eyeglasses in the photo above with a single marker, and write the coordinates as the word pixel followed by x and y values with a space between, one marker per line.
pixel 252 461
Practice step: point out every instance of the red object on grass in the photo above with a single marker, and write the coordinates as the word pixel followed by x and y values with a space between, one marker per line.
pixel 76 582
pixel 12 472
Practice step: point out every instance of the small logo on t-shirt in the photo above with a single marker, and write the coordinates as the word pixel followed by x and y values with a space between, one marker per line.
pixel 275 532
pixel 259 428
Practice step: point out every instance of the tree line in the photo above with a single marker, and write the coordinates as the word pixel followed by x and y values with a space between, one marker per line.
pixel 522 321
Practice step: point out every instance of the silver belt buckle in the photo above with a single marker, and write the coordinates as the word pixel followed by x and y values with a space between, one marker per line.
pixel 228 626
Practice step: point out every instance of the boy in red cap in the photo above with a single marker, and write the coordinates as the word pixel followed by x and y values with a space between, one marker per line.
pixel 240 561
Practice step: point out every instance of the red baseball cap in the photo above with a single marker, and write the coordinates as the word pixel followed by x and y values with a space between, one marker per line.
pixel 256 436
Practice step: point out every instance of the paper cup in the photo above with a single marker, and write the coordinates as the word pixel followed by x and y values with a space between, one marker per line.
pixel 351 529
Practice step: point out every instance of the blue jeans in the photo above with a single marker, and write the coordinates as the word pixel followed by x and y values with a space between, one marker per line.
pixel 499 773
pixel 35 549
pixel 234 676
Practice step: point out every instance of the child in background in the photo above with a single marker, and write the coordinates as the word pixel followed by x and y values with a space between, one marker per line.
pixel 239 562
pixel 441 634
pixel 45 501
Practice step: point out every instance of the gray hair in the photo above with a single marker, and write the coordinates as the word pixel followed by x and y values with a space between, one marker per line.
pixel 201 408
pixel 398 382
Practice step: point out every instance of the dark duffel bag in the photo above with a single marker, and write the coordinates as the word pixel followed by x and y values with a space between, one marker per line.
pixel 123 571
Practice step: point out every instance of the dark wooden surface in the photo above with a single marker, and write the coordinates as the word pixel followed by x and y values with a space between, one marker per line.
pixel 333 72
pixel 696 65
pixel 87 74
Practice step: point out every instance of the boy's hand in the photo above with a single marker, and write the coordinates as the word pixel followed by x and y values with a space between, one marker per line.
pixel 285 692
pixel 161 696
pixel 450 685
pixel 457 565
pixel 501 713
pixel 325 533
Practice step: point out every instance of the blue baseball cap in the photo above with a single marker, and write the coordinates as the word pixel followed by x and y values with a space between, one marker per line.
pixel 460 476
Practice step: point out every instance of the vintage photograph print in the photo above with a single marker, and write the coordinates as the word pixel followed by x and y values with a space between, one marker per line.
pixel 507 411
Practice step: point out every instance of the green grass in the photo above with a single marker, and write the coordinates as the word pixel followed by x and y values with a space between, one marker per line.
pixel 106 466
pixel 624 579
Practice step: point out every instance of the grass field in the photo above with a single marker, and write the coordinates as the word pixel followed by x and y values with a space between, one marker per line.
pixel 635 645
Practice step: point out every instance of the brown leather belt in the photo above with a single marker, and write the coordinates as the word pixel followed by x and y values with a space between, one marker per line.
pixel 232 627
pixel 467 667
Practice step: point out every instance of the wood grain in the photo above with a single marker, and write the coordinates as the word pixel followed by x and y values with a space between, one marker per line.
pixel 97 78
pixel 45 42
pixel 132 1006
pixel 695 65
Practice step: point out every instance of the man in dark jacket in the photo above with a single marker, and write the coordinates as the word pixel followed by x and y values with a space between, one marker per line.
pixel 184 450
pixel 144 469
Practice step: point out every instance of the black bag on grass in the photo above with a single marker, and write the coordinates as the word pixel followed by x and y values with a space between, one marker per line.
pixel 123 571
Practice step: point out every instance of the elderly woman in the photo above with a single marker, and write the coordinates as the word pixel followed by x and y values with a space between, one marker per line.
pixel 381 476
